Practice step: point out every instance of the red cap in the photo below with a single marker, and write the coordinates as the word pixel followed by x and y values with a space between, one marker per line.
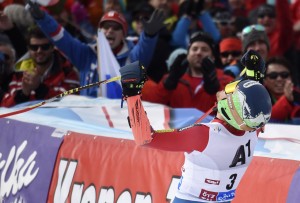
pixel 116 17
pixel 230 44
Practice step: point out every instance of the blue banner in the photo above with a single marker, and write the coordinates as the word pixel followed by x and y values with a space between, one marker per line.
pixel 27 158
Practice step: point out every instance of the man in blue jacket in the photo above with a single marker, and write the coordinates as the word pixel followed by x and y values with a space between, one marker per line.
pixel 84 56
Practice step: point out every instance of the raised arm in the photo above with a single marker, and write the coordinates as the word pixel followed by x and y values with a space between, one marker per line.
pixel 194 137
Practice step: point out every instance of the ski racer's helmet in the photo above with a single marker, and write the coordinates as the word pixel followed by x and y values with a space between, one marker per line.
pixel 247 105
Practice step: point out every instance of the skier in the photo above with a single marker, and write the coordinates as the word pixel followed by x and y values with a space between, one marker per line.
pixel 217 153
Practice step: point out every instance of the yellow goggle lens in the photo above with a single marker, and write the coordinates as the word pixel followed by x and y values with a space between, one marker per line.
pixel 229 88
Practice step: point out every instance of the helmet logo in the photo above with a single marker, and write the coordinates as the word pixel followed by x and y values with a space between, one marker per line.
pixel 250 83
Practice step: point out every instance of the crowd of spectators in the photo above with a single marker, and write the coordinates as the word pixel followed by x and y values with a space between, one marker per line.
pixel 190 48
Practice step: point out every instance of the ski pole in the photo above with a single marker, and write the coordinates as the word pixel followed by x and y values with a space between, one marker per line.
pixel 61 95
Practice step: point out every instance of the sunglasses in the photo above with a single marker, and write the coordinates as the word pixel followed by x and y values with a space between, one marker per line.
pixel 270 15
pixel 232 53
pixel 249 28
pixel 274 75
pixel 114 26
pixel 225 23
pixel 35 47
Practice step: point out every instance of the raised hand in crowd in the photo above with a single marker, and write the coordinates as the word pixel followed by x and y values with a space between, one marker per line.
pixel 211 82
pixel 177 69
pixel 155 23
pixel 193 8
pixel 35 10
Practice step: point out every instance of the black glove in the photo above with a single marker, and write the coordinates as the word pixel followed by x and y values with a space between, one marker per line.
pixel 34 9
pixel 192 8
pixel 133 77
pixel 255 65
pixel 155 23
pixel 177 69
pixel 211 82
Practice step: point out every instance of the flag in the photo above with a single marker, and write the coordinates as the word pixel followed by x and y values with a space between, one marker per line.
pixel 108 67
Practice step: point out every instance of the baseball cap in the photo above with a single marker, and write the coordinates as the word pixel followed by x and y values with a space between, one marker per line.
pixel 115 17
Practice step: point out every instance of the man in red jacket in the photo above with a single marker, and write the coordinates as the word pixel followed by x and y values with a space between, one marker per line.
pixel 41 73
pixel 193 79
pixel 284 95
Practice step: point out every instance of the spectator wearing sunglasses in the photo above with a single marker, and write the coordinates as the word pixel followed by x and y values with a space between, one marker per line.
pixel 231 53
pixel 255 38
pixel 278 24
pixel 225 22
pixel 41 73
pixel 84 56
pixel 284 95
pixel 194 78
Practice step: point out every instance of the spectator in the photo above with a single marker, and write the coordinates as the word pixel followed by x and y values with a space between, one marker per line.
pixel 254 38
pixel 217 153
pixel 166 7
pixel 278 23
pixel 150 84
pixel 285 97
pixel 157 67
pixel 191 16
pixel 197 86
pixel 225 23
pixel 295 8
pixel 7 60
pixel 9 28
pixel 41 74
pixel 231 53
pixel 84 56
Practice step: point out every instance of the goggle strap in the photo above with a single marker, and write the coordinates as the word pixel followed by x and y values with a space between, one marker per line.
pixel 236 116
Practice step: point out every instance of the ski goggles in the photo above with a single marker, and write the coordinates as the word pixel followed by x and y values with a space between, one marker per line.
pixel 35 47
pixel 229 88
pixel 249 29
pixel 225 54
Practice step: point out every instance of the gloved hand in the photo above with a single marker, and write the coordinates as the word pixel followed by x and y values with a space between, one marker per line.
pixel 254 64
pixel 34 9
pixel 133 77
pixel 177 69
pixel 211 82
pixel 192 8
pixel 155 23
